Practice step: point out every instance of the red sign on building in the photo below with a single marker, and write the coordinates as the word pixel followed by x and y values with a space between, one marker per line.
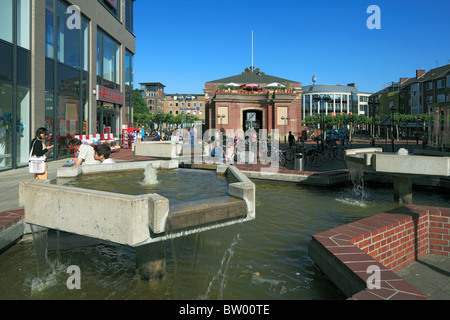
pixel 109 95
pixel 113 3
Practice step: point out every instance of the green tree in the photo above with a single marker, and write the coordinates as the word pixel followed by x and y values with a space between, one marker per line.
pixel 141 115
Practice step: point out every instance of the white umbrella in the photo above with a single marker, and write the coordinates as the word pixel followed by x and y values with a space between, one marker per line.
pixel 275 85
pixel 232 84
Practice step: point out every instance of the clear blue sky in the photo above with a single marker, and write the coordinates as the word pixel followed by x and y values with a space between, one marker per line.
pixel 185 43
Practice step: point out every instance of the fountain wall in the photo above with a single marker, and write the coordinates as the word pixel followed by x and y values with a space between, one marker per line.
pixel 128 219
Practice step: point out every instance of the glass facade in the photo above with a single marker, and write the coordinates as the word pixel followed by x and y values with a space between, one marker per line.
pixel 108 61
pixel 14 83
pixel 64 71
pixel 66 77
pixel 129 85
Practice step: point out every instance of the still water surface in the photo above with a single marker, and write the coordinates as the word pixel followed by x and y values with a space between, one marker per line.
pixel 262 259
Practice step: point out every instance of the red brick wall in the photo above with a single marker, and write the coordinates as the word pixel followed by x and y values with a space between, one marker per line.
pixel 439 231
pixel 397 244
pixel 390 240
pixel 401 242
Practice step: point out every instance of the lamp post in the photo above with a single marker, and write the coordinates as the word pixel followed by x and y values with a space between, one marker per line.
pixel 286 119
pixel 184 98
pixel 326 98
pixel 392 129
pixel 221 117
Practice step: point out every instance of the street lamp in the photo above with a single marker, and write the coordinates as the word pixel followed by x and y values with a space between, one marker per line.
pixel 183 114
pixel 286 119
pixel 221 117
pixel 392 129
pixel 326 98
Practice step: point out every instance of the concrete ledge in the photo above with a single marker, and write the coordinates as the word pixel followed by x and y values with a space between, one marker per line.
pixel 158 149
pixel 195 213
pixel 125 219
pixel 11 234
pixel 113 217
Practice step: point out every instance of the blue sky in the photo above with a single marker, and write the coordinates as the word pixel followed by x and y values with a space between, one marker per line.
pixel 185 43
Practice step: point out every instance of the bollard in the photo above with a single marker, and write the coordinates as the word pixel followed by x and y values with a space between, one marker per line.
pixel 299 161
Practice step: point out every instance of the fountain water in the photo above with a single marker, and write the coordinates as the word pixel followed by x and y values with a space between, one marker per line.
pixel 402 166
pixel 151 175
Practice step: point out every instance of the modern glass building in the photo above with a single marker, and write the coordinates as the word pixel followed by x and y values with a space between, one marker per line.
pixel 66 66
pixel 344 99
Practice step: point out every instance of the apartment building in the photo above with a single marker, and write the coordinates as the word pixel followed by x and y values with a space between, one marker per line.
pixel 153 95
pixel 188 104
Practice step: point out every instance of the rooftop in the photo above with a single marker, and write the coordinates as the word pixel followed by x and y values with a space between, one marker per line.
pixel 253 75
pixel 319 88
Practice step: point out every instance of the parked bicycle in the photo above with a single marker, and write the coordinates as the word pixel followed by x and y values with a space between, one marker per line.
pixel 281 153
pixel 293 149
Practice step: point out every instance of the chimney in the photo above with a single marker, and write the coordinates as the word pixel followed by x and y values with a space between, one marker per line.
pixel 403 80
pixel 419 73
pixel 354 85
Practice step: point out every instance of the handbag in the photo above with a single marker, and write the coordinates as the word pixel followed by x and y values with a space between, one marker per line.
pixel 36 164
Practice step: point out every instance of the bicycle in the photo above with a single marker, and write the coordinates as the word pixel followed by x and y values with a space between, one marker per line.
pixel 281 154
pixel 293 149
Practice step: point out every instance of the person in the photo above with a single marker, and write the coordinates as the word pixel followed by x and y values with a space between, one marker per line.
pixel 85 153
pixel 142 133
pixel 218 151
pixel 229 156
pixel 192 135
pixel 157 136
pixel 102 153
pixel 291 139
pixel 424 142
pixel 39 149
pixel 372 141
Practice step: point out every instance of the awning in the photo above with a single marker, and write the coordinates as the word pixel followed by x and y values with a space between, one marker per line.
pixel 275 85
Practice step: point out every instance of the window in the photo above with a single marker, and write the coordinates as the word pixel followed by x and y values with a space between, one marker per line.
pixel 23 23
pixel 108 58
pixel 448 81
pixel 129 83
pixel 112 6
pixel 429 85
pixel 440 98
pixel 129 14
pixel 68 56
pixel 429 99
pixel 6 16
pixel 440 84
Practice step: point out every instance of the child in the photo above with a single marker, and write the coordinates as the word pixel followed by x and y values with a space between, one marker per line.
pixel 102 153
pixel 229 156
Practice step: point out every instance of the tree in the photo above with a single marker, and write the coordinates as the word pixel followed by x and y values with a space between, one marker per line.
pixel 141 115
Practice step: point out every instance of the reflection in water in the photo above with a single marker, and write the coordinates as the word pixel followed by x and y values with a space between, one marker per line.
pixel 262 259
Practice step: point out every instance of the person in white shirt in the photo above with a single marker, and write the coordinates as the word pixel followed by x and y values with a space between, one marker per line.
pixel 85 153
pixel 102 153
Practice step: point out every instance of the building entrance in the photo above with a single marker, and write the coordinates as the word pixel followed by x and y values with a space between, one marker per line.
pixel 107 118
pixel 253 119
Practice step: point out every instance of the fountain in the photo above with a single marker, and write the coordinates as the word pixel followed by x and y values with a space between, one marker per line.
pixel 141 221
pixel 402 166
